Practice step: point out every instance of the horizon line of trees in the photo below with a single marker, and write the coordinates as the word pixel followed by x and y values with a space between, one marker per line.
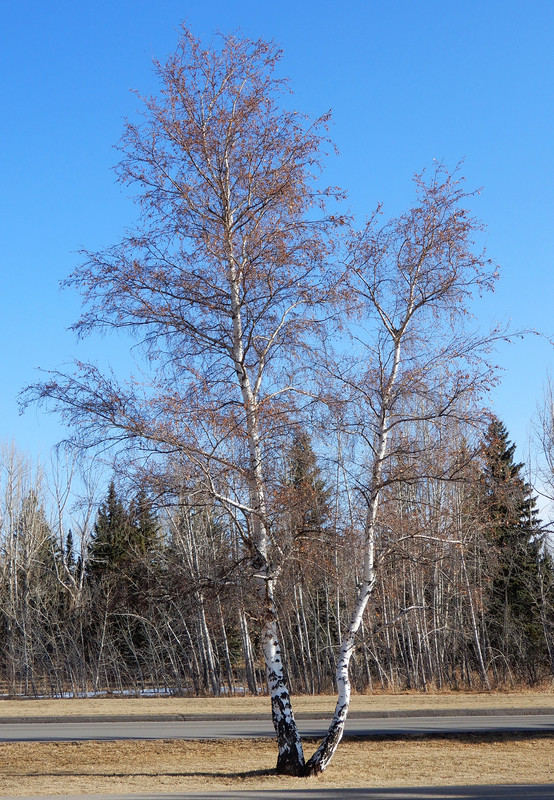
pixel 154 594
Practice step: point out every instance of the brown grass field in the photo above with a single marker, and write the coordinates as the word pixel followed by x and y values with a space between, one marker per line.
pixel 180 766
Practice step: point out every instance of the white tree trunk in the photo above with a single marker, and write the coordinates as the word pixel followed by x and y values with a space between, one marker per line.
pixel 290 760
pixel 323 755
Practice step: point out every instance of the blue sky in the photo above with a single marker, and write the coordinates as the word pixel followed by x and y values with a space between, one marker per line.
pixel 408 82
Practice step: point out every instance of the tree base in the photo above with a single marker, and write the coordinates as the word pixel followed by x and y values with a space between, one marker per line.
pixel 290 764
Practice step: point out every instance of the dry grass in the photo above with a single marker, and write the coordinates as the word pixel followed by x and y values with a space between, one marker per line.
pixel 29 768
pixel 180 766
pixel 403 701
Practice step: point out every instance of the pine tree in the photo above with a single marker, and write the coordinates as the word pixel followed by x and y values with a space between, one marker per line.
pixel 514 531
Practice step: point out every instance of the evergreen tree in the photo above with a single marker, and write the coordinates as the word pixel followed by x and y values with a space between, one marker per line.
pixel 112 533
pixel 120 578
pixel 69 551
pixel 308 495
pixel 513 529
pixel 121 535
pixel 144 524
pixel 38 548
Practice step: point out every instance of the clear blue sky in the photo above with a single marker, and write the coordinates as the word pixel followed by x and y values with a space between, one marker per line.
pixel 408 82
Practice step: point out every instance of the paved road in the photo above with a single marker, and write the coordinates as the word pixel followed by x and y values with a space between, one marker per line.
pixel 521 792
pixel 258 728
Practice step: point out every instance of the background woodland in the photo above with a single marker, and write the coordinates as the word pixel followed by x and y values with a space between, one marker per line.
pixel 150 596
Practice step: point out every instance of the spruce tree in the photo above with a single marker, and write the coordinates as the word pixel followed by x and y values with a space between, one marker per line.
pixel 112 531
pixel 69 551
pixel 38 548
pixel 144 524
pixel 514 531
pixel 121 535
pixel 308 495
pixel 120 577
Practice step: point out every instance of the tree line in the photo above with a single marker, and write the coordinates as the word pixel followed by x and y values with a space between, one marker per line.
pixel 156 598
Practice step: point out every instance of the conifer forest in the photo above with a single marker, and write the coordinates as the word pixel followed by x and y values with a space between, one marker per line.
pixel 307 489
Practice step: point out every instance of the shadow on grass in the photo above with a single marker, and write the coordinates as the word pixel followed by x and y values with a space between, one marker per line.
pixel 253 773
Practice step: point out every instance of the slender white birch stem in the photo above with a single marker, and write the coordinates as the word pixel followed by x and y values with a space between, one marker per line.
pixel 323 755
pixel 291 757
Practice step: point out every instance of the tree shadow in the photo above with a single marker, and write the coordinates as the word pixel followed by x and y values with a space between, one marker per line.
pixel 254 773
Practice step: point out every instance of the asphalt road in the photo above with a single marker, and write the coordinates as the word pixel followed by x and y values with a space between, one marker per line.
pixel 259 728
pixel 520 792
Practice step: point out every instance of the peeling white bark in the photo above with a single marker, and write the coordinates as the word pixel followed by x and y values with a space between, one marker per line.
pixel 323 755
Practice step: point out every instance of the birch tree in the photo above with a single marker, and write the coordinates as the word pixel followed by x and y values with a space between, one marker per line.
pixel 228 283
pixel 223 283
pixel 413 278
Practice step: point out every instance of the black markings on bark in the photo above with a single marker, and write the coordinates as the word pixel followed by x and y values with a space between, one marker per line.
pixel 291 759
pixel 318 762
